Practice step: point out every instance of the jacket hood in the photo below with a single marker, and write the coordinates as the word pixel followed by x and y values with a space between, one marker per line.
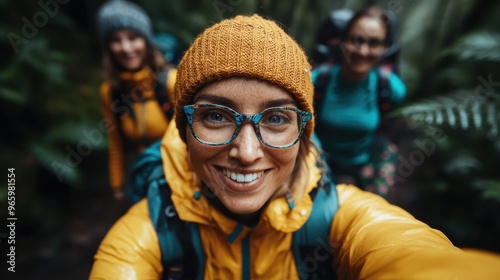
pixel 192 206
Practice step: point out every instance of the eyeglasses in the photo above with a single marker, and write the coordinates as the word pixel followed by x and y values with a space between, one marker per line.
pixel 373 43
pixel 216 125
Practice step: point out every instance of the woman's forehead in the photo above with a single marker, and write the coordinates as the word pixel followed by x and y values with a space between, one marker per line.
pixel 238 91
pixel 368 26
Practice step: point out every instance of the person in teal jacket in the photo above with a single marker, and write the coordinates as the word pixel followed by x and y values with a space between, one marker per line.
pixel 349 115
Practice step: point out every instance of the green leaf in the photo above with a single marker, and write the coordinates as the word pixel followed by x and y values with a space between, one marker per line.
pixel 490 189
pixel 481 46
pixel 463 109
pixel 12 96
pixel 56 162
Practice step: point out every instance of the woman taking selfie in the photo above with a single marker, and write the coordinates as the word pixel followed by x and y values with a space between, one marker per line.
pixel 243 193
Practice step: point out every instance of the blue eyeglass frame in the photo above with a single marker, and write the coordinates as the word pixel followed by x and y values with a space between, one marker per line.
pixel 241 118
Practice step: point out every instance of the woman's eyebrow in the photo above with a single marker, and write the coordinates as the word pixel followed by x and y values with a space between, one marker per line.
pixel 232 103
pixel 279 102
pixel 214 99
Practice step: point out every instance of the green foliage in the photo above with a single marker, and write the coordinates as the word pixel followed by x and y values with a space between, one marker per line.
pixel 45 94
pixel 482 46
pixel 464 110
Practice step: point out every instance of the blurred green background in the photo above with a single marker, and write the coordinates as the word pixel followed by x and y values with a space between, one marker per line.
pixel 448 129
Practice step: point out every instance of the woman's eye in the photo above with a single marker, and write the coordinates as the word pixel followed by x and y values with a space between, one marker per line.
pixel 275 119
pixel 216 117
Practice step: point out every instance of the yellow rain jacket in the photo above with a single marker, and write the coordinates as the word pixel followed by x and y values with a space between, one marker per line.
pixel 148 126
pixel 371 238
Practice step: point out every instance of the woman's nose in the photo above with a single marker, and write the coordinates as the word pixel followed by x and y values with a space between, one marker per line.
pixel 125 46
pixel 364 49
pixel 246 148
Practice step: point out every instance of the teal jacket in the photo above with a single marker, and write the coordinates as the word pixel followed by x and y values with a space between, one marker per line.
pixel 349 115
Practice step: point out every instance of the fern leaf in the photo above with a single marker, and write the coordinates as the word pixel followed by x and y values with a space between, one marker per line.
pixel 461 109
pixel 491 119
pixel 482 46
pixel 55 161
pixel 464 121
pixel 452 120
pixel 439 117
pixel 476 115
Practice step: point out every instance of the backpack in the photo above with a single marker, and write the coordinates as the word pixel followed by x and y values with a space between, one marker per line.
pixel 169 46
pixel 327 52
pixel 180 243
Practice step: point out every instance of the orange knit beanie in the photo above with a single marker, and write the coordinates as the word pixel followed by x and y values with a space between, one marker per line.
pixel 244 46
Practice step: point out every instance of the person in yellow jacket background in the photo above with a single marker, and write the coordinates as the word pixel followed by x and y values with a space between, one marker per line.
pixel 242 170
pixel 137 87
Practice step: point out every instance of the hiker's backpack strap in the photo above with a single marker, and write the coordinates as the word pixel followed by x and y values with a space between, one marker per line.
pixel 161 92
pixel 384 89
pixel 141 172
pixel 120 100
pixel 180 243
pixel 320 85
pixel 311 244
pixel 384 95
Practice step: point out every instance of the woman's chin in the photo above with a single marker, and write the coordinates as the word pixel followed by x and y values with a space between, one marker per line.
pixel 241 207
pixel 361 69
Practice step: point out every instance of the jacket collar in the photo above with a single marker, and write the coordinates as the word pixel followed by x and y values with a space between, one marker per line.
pixel 193 207
pixel 140 82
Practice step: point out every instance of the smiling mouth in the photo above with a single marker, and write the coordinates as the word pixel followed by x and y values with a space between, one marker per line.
pixel 130 58
pixel 242 178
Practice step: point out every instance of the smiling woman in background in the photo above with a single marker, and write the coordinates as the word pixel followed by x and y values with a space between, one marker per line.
pixel 137 85
pixel 355 94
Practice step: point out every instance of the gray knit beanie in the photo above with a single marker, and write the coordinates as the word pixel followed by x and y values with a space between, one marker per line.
pixel 120 14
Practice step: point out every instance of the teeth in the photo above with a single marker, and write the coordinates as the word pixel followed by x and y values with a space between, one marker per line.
pixel 242 178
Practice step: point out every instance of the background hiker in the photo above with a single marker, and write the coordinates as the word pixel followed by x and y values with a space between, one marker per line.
pixel 136 87
pixel 354 89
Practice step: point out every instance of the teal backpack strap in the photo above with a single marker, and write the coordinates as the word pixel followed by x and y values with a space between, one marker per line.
pixel 311 244
pixel 180 242
pixel 143 171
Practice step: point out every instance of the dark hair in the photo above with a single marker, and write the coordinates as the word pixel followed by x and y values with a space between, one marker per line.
pixel 370 12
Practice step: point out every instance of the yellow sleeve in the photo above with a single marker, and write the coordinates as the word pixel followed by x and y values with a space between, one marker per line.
pixel 171 77
pixel 373 239
pixel 130 249
pixel 116 154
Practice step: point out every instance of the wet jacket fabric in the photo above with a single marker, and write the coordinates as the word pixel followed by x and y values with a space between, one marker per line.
pixel 147 124
pixel 370 238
